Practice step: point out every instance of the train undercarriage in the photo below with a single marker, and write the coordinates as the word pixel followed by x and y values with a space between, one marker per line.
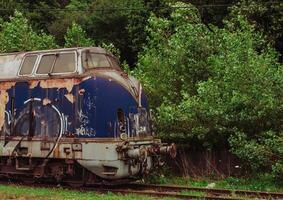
pixel 80 162
pixel 30 170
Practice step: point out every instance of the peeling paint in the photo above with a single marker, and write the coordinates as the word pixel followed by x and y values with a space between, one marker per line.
pixel 81 91
pixel 60 83
pixel 70 97
pixel 4 99
pixel 7 85
pixel 51 83
pixel 46 101
pixel 86 78
pixel 33 84
pixel 56 152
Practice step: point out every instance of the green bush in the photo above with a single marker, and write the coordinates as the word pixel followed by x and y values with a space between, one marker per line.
pixel 215 87
pixel 76 37
pixel 17 35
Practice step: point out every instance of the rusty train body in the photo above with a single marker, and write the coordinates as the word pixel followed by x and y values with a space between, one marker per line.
pixel 72 115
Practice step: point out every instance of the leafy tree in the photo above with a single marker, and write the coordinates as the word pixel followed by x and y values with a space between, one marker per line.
pixel 212 12
pixel 177 52
pixel 17 35
pixel 108 23
pixel 215 87
pixel 8 8
pixel 74 12
pixel 121 23
pixel 111 48
pixel 76 37
pixel 266 16
pixel 41 13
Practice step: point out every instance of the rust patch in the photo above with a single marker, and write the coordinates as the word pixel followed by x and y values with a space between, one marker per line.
pixel 81 91
pixel 56 152
pixel 70 97
pixel 46 101
pixel 4 99
pixel 33 84
pixel 86 78
pixel 60 83
pixel 7 85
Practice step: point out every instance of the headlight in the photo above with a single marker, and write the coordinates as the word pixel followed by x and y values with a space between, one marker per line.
pixel 123 136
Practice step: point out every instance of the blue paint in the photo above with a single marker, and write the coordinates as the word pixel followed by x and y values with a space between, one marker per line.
pixel 22 91
pixel 94 112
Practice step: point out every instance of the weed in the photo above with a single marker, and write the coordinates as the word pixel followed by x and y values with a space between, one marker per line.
pixel 26 193
pixel 261 182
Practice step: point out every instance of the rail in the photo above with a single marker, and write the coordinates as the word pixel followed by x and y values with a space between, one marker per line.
pixel 174 191
pixel 187 192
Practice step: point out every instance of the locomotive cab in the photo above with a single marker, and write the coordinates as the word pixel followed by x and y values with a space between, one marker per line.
pixel 73 114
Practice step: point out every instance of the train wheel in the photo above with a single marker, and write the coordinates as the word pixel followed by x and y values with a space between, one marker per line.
pixel 77 176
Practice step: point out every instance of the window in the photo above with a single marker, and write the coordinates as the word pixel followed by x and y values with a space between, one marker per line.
pixel 28 64
pixel 94 60
pixel 57 63
pixel 46 64
pixel 114 62
pixel 65 63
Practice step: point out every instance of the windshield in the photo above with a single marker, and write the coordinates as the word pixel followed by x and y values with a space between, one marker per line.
pixel 98 60
pixel 57 63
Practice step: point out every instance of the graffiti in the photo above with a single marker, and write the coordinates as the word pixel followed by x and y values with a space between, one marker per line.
pixel 9 117
pixel 48 120
pixel 84 130
pixel 36 118
pixel 7 123
pixel 90 102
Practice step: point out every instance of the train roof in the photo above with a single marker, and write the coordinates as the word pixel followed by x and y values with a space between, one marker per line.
pixel 11 63
pixel 93 49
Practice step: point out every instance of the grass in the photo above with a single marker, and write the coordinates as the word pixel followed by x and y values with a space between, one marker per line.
pixel 194 193
pixel 17 192
pixel 260 183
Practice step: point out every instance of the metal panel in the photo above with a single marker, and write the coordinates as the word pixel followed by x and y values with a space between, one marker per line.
pixel 9 65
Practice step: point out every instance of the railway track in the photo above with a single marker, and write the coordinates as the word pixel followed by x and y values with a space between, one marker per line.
pixel 159 194
pixel 184 192
pixel 174 191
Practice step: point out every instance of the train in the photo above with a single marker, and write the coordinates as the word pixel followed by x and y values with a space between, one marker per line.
pixel 73 115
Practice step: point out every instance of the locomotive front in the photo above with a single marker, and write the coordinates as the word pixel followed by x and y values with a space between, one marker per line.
pixel 116 114
pixel 72 115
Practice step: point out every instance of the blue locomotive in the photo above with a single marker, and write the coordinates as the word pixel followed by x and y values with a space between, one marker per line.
pixel 72 115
